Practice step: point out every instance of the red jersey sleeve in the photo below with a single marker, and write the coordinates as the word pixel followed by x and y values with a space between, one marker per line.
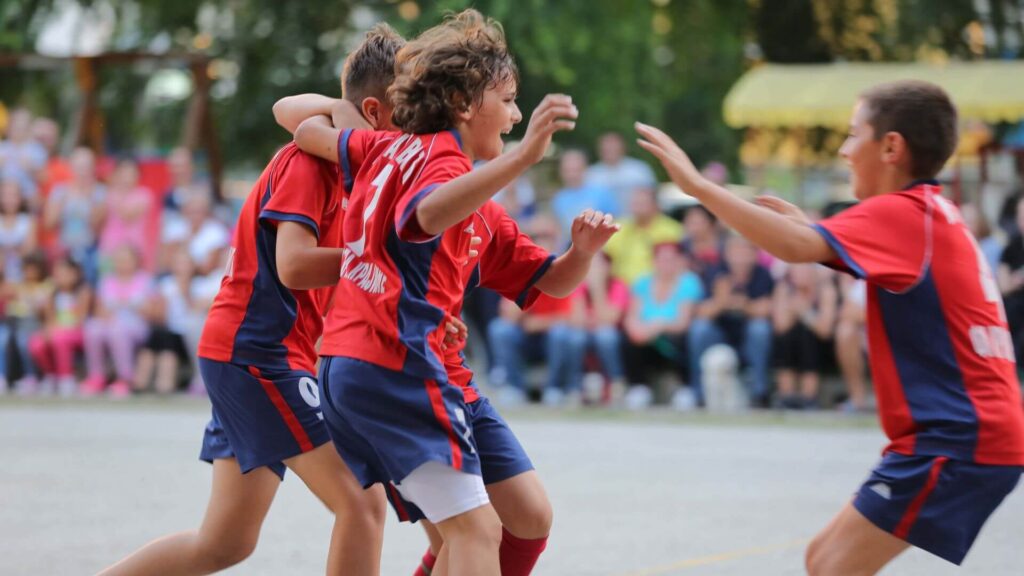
pixel 512 264
pixel 300 187
pixel 882 240
pixel 354 146
pixel 444 162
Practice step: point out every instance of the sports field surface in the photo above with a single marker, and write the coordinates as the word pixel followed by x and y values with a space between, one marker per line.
pixel 646 494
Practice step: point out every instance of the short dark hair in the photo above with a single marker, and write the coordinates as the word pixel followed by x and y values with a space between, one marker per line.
pixel 446 70
pixel 370 68
pixel 923 114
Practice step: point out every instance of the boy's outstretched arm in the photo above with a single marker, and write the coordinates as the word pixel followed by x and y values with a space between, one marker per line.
pixel 290 111
pixel 456 199
pixel 590 231
pixel 773 225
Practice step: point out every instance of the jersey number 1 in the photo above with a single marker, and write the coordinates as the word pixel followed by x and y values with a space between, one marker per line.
pixel 359 246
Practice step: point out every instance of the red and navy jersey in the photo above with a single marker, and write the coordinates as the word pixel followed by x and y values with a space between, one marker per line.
pixel 255 320
pixel 509 263
pixel 397 283
pixel 942 359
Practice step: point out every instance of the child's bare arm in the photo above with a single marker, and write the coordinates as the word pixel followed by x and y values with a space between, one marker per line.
pixel 775 231
pixel 290 111
pixel 456 199
pixel 318 135
pixel 590 231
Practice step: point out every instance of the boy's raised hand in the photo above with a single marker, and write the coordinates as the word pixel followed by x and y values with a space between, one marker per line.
pixel 678 165
pixel 591 230
pixel 555 113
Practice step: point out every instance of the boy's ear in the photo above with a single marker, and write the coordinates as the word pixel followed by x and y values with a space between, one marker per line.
pixel 894 148
pixel 372 112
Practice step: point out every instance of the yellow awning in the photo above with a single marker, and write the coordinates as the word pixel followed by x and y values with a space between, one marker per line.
pixel 804 95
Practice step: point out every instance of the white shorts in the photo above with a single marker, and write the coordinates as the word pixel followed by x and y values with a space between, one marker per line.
pixel 442 492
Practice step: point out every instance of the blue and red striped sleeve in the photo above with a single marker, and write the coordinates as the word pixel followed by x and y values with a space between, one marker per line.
pixel 882 240
pixel 512 263
pixel 299 190
pixel 354 146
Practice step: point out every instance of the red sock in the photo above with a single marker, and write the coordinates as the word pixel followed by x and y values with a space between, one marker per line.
pixel 519 556
pixel 426 564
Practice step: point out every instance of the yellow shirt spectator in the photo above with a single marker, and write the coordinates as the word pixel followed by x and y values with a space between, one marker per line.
pixel 632 248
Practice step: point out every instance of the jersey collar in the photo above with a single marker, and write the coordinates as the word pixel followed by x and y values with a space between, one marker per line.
pixel 922 182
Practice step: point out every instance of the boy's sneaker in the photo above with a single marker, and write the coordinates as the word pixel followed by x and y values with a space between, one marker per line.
pixel 119 389
pixel 93 385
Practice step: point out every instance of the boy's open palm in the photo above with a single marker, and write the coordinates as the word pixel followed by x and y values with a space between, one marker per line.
pixel 591 230
pixel 678 165
pixel 555 113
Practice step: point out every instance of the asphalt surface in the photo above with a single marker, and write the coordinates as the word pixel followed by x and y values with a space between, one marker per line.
pixel 84 483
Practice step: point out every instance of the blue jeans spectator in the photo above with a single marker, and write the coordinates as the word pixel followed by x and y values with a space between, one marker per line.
pixel 753 340
pixel 606 341
pixel 561 346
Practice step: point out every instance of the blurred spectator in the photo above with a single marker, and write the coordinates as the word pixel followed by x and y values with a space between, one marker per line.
pixel 53 348
pixel 659 316
pixel 599 307
pixel 197 231
pixel 127 207
pixel 118 324
pixel 21 157
pixel 171 317
pixel 576 194
pixel 990 244
pixel 183 178
pixel 632 248
pixel 704 241
pixel 57 171
pixel 618 172
pixel 24 310
pixel 74 211
pixel 851 343
pixel 1011 280
pixel 737 313
pixel 542 332
pixel 804 316
pixel 17 229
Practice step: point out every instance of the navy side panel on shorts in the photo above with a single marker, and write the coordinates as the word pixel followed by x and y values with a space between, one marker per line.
pixel 385 424
pixel 501 454
pixel 261 417
pixel 934 503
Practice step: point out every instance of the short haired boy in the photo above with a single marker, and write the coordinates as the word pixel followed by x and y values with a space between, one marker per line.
pixel 941 355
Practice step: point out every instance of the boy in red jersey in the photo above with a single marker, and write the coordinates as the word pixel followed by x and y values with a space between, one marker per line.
pixel 510 263
pixel 393 410
pixel 941 355
pixel 257 356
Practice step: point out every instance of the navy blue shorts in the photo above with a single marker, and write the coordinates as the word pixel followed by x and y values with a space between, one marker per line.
pixel 934 503
pixel 385 424
pixel 261 417
pixel 501 455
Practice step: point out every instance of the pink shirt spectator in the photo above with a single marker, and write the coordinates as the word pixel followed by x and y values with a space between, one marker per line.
pixel 125 297
pixel 126 220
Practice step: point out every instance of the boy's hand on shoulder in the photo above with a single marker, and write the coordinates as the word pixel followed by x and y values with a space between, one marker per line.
pixel 555 113
pixel 591 230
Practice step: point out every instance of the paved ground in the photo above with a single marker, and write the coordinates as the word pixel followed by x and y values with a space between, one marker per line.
pixel 654 494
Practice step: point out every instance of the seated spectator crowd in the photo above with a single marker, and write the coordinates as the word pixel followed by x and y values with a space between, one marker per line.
pixel 105 281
